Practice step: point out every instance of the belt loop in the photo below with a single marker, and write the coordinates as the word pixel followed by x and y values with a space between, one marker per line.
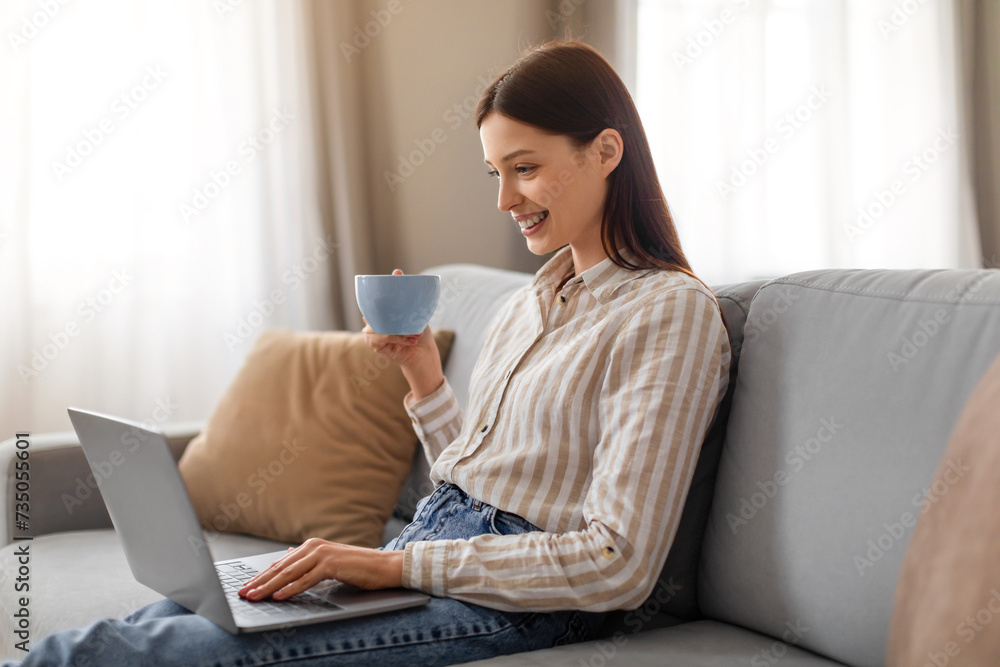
pixel 477 504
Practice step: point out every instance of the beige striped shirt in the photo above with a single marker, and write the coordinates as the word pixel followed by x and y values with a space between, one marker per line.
pixel 587 408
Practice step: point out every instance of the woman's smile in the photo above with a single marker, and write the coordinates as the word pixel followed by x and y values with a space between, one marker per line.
pixel 530 223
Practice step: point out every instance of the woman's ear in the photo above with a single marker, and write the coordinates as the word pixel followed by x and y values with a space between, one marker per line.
pixel 611 147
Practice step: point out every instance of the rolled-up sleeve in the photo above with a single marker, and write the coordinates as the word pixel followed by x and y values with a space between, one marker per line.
pixel 666 374
pixel 437 419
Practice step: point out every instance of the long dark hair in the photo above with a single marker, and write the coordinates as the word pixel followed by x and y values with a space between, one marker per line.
pixel 568 88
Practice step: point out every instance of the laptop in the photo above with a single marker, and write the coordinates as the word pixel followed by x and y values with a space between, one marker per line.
pixel 167 550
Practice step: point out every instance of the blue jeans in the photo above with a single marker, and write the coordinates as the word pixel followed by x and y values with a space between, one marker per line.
pixel 442 632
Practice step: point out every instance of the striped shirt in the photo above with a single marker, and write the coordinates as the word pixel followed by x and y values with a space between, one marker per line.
pixel 587 409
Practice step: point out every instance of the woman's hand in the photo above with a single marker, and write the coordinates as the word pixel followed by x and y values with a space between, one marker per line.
pixel 317 560
pixel 417 356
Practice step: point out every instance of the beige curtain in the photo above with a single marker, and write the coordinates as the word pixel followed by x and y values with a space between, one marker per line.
pixel 978 28
pixel 339 128
pixel 610 27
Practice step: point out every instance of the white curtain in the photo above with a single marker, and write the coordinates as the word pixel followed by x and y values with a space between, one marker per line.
pixel 157 203
pixel 792 135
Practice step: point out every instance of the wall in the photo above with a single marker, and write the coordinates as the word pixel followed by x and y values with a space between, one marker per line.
pixel 435 55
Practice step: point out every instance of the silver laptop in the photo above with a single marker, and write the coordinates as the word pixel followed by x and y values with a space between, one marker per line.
pixel 167 550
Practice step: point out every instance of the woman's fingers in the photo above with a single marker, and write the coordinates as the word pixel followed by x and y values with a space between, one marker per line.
pixel 301 583
pixel 292 556
pixel 287 582
pixel 271 570
pixel 379 341
pixel 290 569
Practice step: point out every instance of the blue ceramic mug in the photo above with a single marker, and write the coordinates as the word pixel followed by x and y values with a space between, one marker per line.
pixel 399 305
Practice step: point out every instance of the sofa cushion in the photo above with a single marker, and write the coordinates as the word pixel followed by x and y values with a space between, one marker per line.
pixel 948 596
pixel 310 440
pixel 849 384
pixel 699 644
pixel 82 576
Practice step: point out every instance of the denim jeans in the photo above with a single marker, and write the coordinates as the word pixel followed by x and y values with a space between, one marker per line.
pixel 442 632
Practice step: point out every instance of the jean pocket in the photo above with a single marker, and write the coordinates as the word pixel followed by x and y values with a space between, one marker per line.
pixel 508 523
pixel 576 630
pixel 439 490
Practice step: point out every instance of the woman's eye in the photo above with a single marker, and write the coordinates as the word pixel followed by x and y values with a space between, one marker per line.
pixel 492 172
pixel 525 170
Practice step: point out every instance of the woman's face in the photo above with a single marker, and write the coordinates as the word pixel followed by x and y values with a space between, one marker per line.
pixel 546 181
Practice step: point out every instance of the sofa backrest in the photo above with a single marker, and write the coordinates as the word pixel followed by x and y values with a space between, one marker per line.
pixel 849 384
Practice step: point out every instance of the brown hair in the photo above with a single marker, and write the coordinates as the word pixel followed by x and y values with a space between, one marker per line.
pixel 568 88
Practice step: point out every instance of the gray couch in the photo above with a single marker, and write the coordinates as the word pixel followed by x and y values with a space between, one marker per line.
pixel 846 389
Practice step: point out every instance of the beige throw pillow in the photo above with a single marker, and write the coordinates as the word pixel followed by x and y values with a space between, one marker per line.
pixel 310 440
pixel 947 608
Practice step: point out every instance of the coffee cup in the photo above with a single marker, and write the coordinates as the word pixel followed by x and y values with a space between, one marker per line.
pixel 397 304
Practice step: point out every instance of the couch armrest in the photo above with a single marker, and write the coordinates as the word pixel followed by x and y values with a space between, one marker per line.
pixel 63 492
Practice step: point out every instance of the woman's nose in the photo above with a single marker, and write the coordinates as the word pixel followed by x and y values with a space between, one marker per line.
pixel 509 197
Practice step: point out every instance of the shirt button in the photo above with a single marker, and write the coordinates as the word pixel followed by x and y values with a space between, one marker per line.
pixel 484 428
pixel 562 299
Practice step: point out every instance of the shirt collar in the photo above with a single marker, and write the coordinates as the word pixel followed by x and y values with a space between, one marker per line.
pixel 602 279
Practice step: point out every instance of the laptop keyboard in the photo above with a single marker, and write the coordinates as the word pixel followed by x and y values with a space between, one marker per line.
pixel 234 574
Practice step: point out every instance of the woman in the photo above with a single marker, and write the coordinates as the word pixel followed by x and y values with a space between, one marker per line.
pixel 559 490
